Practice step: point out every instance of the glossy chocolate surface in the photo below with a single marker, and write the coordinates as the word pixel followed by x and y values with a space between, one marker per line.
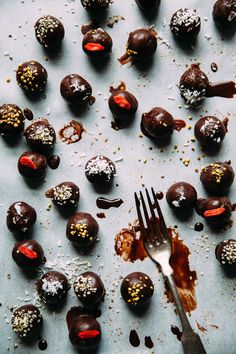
pixel 75 89
pixel 49 31
pixel 64 195
pixel 31 76
pixel 89 289
pixel 216 210
pixel 217 177
pixel 85 333
pixel 11 119
pixel 157 123
pixel 40 135
pixel 185 24
pixel 224 13
pixel 32 165
pixel 181 196
pixel 100 169
pixel 210 131
pixel 97 43
pixel 20 217
pixel 28 254
pixel 53 287
pixel 27 321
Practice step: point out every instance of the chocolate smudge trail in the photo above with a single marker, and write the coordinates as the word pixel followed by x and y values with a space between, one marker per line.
pixel 71 132
pixel 101 215
pixel 148 342
pixel 53 161
pixel 134 338
pixel 104 203
pixel 201 328
pixel 28 114
pixel 176 331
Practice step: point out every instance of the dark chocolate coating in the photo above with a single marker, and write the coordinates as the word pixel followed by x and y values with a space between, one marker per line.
pixel 75 89
pixel 83 324
pixel 100 169
pixel 31 76
pixel 53 287
pixel 181 196
pixel 185 24
pixel 95 4
pixel 82 229
pixel 32 165
pixel 210 131
pixel 225 253
pixel 97 43
pixel 157 123
pixel 211 203
pixel 40 135
pixel 224 13
pixel 122 104
pixel 217 177
pixel 26 321
pixel 49 31
pixel 137 289
pixel 89 289
pixel 26 260
pixel 64 195
pixel 147 4
pixel 141 44
pixel 20 217
pixel 11 119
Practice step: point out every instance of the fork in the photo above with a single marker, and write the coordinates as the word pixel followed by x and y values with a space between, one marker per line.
pixel 158 245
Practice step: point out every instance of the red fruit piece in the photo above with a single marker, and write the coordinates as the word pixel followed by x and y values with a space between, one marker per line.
pixel 214 212
pixel 88 334
pixel 122 102
pixel 26 161
pixel 94 47
pixel 27 252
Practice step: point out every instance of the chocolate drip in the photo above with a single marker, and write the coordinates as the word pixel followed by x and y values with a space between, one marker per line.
pixel 104 203
pixel 222 89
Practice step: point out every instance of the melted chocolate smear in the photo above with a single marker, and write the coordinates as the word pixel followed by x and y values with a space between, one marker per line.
pixel 222 89
pixel 125 59
pixel 121 86
pixel 179 124
pixel 42 345
pixel 28 114
pixel 104 203
pixel 101 215
pixel 214 67
pixel 134 338
pixel 175 330
pixel 201 328
pixel 198 226
pixel 71 132
pixel 76 311
pixel 148 342
pixel 53 162
pixel 114 19
pixel 159 195
pixel 93 24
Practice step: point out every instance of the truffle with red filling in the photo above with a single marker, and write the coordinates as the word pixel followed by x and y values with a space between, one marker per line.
pixel 64 195
pixel 216 210
pixel 49 31
pixel 28 254
pixel 210 131
pixel 97 43
pixel 226 253
pixel 26 321
pixel 32 165
pixel 95 4
pixel 123 105
pixel 181 196
pixel 40 134
pixel 100 169
pixel 31 76
pixel 20 217
pixel 185 24
pixel 224 13
pixel 11 119
pixel 75 89
pixel 89 289
pixel 53 288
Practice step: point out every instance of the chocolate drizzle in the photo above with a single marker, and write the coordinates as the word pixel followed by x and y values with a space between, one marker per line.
pixel 28 114
pixel 104 203
pixel 176 331
pixel 179 124
pixel 214 67
pixel 71 132
pixel 134 338
pixel 148 342
pixel 221 89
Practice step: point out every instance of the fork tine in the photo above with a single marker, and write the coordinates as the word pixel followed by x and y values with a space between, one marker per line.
pixel 161 217
pixel 149 225
pixel 140 218
pixel 155 223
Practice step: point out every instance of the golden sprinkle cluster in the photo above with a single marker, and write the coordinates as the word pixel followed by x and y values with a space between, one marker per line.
pixel 217 171
pixel 137 290
pixel 27 76
pixel 10 116
pixel 79 230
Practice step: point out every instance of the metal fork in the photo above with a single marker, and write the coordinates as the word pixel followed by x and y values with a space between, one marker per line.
pixel 158 245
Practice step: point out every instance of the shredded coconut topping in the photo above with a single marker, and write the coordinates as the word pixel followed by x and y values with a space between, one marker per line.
pixel 186 18
pixel 22 321
pixel 84 286
pixel 228 254
pixel 62 193
pixel 100 165
pixel 44 25
pixel 51 287
pixel 43 133
pixel 191 96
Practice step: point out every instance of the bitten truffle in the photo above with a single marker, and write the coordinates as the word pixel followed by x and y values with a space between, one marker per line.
pixel 11 119
pixel 123 105
pixel 40 135
pixel 49 31
pixel 27 321
pixel 31 76
pixel 210 131
pixel 181 196
pixel 53 288
pixel 224 13
pixel 226 253
pixel 95 4
pixel 89 289
pixel 32 165
pixel 97 43
pixel 216 210
pixel 146 5
pixel 75 89
pixel 28 254
pixel 64 195
pixel 20 217
pixel 137 289
pixel 157 123
pixel 100 169
pixel 185 24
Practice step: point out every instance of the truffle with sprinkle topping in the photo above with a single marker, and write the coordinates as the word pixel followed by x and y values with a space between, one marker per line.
pixel 27 321
pixel 40 135
pixel 31 76
pixel 64 195
pixel 89 289
pixel 210 131
pixel 224 13
pixel 75 89
pixel 215 210
pixel 100 169
pixel 28 254
pixel 53 288
pixel 226 252
pixel 185 24
pixel 95 4
pixel 49 31
pixel 32 165
pixel 11 119
pixel 20 217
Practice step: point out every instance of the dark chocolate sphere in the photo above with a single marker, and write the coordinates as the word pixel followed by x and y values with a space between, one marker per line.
pixel 226 253
pixel 147 5
pixel 40 135
pixel 28 254
pixel 224 13
pixel 64 195
pixel 89 289
pixel 95 4
pixel 11 119
pixel 210 131
pixel 181 196
pixel 75 89
pixel 185 24
pixel 82 229
pixel 26 321
pixel 193 85
pixel 20 217
pixel 85 333
pixel 141 44
pixel 217 177
pixel 123 105
pixel 32 165
pixel 31 76
pixel 216 210
pixel 49 31
pixel 100 169
pixel 157 123
pixel 97 43
pixel 53 288
pixel 137 289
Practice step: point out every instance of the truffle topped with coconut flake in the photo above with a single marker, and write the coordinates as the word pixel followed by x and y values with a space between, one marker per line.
pixel 226 252
pixel 185 24
pixel 100 169
pixel 40 134
pixel 89 289
pixel 181 196
pixel 53 287
pixel 210 131
pixel 64 195
pixel 26 321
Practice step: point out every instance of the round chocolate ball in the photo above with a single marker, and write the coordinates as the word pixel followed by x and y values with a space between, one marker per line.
pixel 53 288
pixel 217 177
pixel 82 229
pixel 137 289
pixel 89 289
pixel 85 333
pixel 210 131
pixel 224 13
pixel 40 135
pixel 75 89
pixel 193 85
pixel 97 43
pixel 31 76
pixel 100 169
pixel 11 119
pixel 157 123
pixel 49 31
pixel 147 5
pixel 64 195
pixel 28 254
pixel 181 196
pixel 226 253
pixel 32 165
pixel 123 105
pixel 95 4
pixel 20 217
pixel 216 210
pixel 141 44
pixel 26 321
pixel 185 24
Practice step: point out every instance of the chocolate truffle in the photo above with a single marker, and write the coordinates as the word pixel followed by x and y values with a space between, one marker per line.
pixel 217 177
pixel 185 24
pixel 75 89
pixel 53 288
pixel 210 131
pixel 89 289
pixel 26 321
pixel 137 289
pixel 49 31
pixel 97 43
pixel 95 4
pixel 224 13
pixel 216 210
pixel 157 123
pixel 28 254
pixel 40 135
pixel 82 229
pixel 100 169
pixel 123 105
pixel 32 165
pixel 20 217
pixel 11 119
pixel 226 253
pixel 181 196
pixel 85 333
pixel 147 4
pixel 64 195
pixel 31 76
